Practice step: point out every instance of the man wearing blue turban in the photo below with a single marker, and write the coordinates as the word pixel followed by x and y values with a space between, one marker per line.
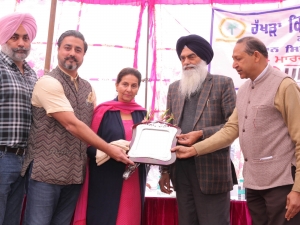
pixel 201 104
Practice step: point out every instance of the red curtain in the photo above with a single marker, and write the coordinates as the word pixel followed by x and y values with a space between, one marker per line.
pixel 239 213
pixel 160 211
pixel 164 211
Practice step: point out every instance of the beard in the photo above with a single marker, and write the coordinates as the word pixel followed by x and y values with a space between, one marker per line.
pixel 192 79
pixel 14 54
pixel 70 66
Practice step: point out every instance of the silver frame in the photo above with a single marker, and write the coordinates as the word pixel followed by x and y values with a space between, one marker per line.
pixel 157 125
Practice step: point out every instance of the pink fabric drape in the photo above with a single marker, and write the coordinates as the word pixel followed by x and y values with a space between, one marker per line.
pixel 224 2
pixel 109 2
pixel 138 35
pixel 99 111
pixel 152 38
pixel 171 2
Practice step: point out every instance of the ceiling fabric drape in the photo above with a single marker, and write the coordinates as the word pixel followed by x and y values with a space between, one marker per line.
pixel 172 2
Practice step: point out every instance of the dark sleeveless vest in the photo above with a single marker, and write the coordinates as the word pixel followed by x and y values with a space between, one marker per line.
pixel 59 157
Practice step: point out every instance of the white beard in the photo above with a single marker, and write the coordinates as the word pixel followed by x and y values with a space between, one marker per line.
pixel 11 53
pixel 192 79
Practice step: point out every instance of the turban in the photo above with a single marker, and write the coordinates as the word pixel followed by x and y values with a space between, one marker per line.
pixel 9 24
pixel 196 44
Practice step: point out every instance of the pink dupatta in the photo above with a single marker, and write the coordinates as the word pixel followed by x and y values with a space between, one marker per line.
pixel 100 110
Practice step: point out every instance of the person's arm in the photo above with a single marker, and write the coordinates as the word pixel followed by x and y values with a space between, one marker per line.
pixel 80 130
pixel 222 138
pixel 219 140
pixel 48 93
pixel 190 138
pixel 287 101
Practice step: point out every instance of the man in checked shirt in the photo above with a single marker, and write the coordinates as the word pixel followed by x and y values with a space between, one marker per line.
pixel 17 79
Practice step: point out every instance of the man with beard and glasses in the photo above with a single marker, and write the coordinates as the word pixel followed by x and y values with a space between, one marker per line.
pixel 201 103
pixel 17 79
pixel 62 108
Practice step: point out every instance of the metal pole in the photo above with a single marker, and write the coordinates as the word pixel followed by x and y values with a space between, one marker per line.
pixel 50 36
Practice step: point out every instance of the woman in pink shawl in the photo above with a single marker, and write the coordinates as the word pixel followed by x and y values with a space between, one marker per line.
pixel 112 200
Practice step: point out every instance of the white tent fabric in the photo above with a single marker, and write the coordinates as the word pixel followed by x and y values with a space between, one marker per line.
pixel 110 31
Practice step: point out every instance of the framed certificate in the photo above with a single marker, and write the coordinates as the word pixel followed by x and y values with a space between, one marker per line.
pixel 152 141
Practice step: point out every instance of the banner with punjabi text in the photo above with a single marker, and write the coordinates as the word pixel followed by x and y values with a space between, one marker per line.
pixel 278 29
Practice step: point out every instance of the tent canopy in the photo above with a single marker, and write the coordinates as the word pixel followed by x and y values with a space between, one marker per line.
pixel 172 2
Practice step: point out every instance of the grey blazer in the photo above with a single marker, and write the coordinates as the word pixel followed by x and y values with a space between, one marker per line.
pixel 215 105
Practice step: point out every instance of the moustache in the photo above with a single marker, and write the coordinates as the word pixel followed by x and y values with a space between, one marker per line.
pixel 71 57
pixel 20 49
pixel 189 66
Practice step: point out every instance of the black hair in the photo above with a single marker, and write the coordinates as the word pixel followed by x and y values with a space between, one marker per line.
pixel 127 71
pixel 254 44
pixel 73 33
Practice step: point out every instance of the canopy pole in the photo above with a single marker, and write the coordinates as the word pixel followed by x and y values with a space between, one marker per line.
pixel 147 54
pixel 50 36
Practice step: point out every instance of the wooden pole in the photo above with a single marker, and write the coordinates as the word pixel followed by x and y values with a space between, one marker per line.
pixel 50 36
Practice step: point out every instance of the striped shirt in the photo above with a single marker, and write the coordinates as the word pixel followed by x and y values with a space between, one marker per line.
pixel 15 102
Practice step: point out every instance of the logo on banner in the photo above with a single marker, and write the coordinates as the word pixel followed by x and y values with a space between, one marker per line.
pixel 231 29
